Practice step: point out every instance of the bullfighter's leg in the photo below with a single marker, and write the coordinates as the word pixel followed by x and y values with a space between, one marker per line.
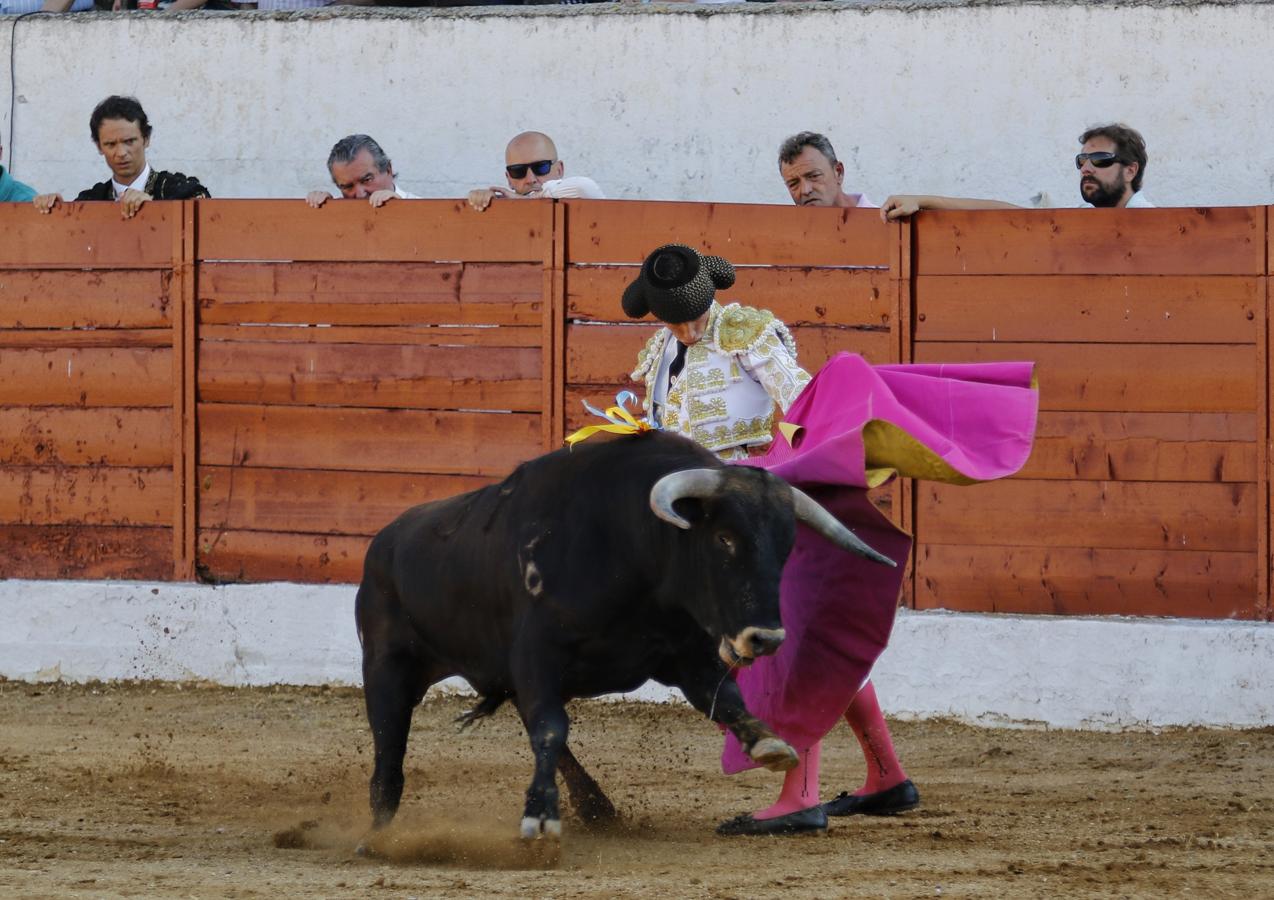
pixel 708 687
pixel 394 682
pixel 800 786
pixel 887 789
pixel 539 702
pixel 590 802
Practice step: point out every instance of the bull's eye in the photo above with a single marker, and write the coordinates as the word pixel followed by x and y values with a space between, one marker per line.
pixel 727 542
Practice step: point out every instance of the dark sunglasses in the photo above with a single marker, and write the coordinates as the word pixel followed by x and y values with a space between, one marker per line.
pixel 539 167
pixel 1102 159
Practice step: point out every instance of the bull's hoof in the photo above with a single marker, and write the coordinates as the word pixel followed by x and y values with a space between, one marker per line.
pixel 774 754
pixel 533 828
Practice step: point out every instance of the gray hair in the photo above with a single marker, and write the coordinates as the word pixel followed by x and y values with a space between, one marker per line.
pixel 347 148
pixel 792 147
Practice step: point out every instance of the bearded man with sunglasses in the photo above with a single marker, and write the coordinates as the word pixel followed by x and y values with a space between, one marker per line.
pixel 1111 164
pixel 533 169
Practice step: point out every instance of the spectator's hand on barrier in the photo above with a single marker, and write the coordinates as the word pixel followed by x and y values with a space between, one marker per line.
pixel 481 199
pixel 45 202
pixel 131 201
pixel 317 198
pixel 380 198
pixel 899 206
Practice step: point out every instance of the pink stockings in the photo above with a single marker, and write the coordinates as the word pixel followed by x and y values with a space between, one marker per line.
pixel 800 785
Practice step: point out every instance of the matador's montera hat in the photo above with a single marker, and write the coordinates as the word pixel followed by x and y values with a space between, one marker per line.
pixel 677 283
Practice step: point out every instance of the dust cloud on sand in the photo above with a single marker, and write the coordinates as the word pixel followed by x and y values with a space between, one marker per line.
pixel 160 791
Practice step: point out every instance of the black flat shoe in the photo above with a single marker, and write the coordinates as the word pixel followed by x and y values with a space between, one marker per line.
pixel 803 821
pixel 899 798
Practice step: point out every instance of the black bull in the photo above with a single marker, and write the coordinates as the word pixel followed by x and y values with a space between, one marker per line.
pixel 585 572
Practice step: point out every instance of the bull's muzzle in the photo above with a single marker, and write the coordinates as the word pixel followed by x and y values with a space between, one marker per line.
pixel 748 644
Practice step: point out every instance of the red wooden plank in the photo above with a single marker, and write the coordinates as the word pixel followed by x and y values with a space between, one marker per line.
pixel 1217 309
pixel 1144 447
pixel 1214 241
pixel 86 377
pixel 420 335
pixel 82 551
pixel 622 231
pixel 1124 377
pixel 371 375
pixel 1085 581
pixel 348 230
pixel 84 495
pixel 287 500
pixel 804 296
pixel 372 293
pixel 1104 514
pixel 233 556
pixel 91 337
pixel 373 440
pixel 88 236
pixel 99 298
pixel 82 437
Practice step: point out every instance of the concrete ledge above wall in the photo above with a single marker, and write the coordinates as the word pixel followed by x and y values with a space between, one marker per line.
pixel 1033 671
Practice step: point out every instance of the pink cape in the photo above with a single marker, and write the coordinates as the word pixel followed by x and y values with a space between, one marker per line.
pixel 956 423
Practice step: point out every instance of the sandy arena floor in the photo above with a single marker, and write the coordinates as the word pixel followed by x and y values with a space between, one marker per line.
pixel 149 791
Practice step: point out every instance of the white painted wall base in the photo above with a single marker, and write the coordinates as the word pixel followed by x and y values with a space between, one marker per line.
pixel 1101 673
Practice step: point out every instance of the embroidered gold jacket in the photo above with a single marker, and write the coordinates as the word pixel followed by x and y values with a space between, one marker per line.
pixel 734 376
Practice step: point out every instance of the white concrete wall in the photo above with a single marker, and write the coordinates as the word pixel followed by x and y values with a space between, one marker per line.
pixel 991 670
pixel 983 99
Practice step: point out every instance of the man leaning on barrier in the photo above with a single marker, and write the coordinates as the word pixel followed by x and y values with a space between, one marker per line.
pixel 1111 163
pixel 360 170
pixel 533 169
pixel 12 190
pixel 813 175
pixel 121 131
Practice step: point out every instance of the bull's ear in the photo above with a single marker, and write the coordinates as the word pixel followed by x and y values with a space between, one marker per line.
pixel 720 270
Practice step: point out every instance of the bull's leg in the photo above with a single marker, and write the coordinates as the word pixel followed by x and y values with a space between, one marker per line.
pixel 590 802
pixel 711 691
pixel 392 686
pixel 535 670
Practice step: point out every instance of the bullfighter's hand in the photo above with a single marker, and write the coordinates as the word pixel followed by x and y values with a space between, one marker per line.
pixel 317 198
pixel 899 206
pixel 131 201
pixel 481 199
pixel 380 198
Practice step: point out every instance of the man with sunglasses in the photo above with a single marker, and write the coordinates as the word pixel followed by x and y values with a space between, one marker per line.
pixel 1111 164
pixel 533 169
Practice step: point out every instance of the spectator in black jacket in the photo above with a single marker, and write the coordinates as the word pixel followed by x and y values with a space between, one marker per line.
pixel 121 132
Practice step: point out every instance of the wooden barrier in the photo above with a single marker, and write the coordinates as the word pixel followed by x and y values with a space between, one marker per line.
pixel 247 390
pixel 91 368
pixel 353 363
pixel 1146 491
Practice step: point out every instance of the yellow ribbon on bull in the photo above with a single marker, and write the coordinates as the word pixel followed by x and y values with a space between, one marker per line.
pixel 618 420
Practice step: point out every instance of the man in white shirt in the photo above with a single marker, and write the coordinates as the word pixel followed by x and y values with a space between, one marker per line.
pixel 813 174
pixel 1111 163
pixel 533 169
pixel 361 171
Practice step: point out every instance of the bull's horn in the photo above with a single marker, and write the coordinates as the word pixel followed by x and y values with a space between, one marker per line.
pixel 818 518
pixel 676 485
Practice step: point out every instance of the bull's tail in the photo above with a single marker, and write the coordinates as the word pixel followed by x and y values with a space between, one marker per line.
pixel 486 706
